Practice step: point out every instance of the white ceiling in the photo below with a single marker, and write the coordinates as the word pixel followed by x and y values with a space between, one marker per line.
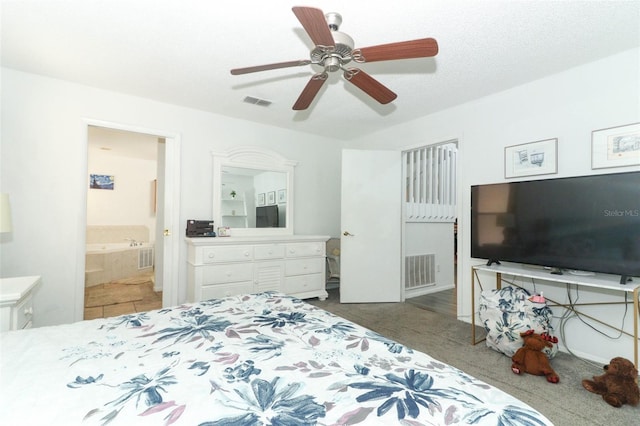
pixel 181 51
pixel 120 143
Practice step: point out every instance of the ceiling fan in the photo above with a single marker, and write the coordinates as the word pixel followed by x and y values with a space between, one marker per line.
pixel 334 49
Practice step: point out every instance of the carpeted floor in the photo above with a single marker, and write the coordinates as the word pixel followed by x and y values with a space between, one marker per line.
pixel 447 339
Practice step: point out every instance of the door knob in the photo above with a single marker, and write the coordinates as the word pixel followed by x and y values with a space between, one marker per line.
pixel 167 232
pixel 348 234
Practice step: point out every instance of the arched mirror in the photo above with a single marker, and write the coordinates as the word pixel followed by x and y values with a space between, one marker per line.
pixel 253 192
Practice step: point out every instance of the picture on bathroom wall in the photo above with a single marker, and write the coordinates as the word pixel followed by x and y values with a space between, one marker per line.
pixel 101 181
pixel 271 197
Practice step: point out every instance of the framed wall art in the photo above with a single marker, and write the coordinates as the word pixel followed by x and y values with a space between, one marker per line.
pixel 261 199
pixel 282 196
pixel 530 159
pixel 101 181
pixel 616 146
pixel 271 197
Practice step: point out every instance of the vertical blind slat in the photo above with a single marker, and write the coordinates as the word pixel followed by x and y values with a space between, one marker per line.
pixel 430 178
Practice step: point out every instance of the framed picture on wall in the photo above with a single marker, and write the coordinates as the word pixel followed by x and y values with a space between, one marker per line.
pixel 261 199
pixel 533 158
pixel 102 181
pixel 282 196
pixel 271 197
pixel 616 146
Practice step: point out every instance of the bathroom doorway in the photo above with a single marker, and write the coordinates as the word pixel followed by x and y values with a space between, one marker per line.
pixel 132 175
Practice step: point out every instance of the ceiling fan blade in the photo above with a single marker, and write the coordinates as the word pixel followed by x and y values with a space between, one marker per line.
pixel 247 70
pixel 315 24
pixel 369 85
pixel 310 91
pixel 421 48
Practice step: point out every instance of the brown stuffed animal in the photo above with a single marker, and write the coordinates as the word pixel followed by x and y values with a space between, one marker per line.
pixel 530 358
pixel 618 385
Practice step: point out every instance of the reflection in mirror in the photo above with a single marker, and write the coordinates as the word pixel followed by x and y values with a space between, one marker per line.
pixel 253 198
pixel 253 192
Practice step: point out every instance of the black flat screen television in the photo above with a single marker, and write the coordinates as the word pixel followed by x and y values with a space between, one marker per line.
pixel 587 223
pixel 267 217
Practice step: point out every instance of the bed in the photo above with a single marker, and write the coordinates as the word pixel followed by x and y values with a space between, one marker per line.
pixel 252 359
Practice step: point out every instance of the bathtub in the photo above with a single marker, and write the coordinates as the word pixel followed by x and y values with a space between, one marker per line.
pixel 107 262
pixel 96 248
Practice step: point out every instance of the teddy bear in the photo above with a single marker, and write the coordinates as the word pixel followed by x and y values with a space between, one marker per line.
pixel 618 385
pixel 530 358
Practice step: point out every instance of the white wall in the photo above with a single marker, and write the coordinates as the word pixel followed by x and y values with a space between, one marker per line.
pixel 44 169
pixel 432 238
pixel 130 202
pixel 567 106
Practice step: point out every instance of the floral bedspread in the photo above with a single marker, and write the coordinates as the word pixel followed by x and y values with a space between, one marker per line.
pixel 262 359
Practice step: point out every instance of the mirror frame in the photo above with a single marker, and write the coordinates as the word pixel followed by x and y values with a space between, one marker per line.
pixel 258 158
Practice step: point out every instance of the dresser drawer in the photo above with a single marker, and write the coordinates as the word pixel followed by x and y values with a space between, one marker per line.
pixel 24 313
pixel 227 273
pixel 303 283
pixel 305 249
pixel 224 290
pixel 218 267
pixel 311 265
pixel 227 254
pixel 268 251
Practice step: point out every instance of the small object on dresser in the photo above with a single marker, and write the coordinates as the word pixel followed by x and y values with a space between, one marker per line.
pixel 224 231
pixel 200 228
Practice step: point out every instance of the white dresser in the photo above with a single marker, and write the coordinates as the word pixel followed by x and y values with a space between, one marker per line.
pixel 16 302
pixel 226 266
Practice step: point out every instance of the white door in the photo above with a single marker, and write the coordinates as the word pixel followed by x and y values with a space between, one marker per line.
pixel 370 248
pixel 168 228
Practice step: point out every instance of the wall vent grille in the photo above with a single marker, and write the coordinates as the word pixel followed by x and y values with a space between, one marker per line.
pixel 145 258
pixel 256 101
pixel 420 271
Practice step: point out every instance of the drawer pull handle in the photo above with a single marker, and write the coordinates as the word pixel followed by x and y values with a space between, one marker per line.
pixel 246 254
pixel 212 255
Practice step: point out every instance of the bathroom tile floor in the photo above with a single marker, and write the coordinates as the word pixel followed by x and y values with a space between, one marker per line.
pixel 121 297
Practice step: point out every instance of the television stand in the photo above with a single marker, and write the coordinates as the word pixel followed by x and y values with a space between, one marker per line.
pixel 595 281
pixel 625 279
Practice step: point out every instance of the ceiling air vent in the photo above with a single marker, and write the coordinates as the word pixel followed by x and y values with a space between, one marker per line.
pixel 256 101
